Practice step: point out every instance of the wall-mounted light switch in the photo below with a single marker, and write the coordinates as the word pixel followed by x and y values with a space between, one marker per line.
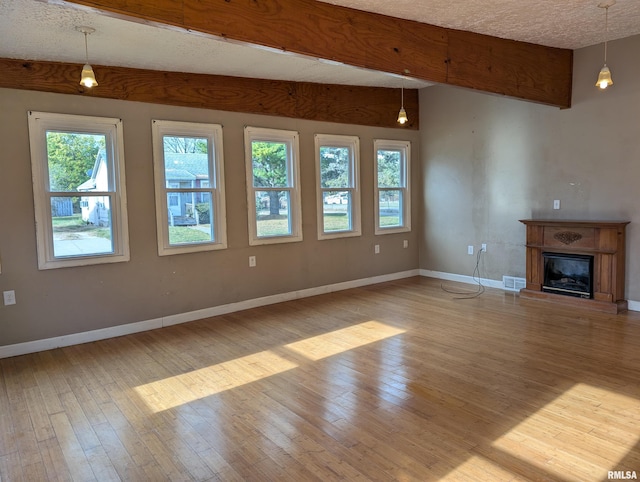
pixel 556 204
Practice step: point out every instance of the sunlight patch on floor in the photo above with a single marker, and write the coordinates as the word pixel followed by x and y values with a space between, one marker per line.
pixel 479 468
pixel 339 341
pixel 593 416
pixel 174 391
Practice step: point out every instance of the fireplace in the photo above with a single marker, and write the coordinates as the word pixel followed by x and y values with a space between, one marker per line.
pixel 592 275
pixel 568 274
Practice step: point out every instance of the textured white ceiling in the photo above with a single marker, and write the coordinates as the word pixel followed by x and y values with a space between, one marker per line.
pixel 570 24
pixel 37 30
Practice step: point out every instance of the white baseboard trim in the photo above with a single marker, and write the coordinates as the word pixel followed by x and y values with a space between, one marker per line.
pixel 279 298
pixel 130 328
pixel 489 283
pixel 78 338
pixel 633 305
pixel 115 331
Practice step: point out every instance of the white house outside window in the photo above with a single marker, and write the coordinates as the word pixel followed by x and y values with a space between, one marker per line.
pixel 392 181
pixel 337 171
pixel 273 186
pixel 189 180
pixel 79 189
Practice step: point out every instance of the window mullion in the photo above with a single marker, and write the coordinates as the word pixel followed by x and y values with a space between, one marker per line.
pixel 87 194
pixel 188 189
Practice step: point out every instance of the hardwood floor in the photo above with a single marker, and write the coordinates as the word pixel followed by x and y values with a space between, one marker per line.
pixel 397 381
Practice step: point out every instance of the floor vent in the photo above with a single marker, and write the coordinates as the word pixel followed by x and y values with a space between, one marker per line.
pixel 512 283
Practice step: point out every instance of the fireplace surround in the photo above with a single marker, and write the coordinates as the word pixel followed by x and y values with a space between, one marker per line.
pixel 601 241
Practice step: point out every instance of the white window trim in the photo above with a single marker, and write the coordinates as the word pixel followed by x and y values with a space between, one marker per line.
pixel 353 143
pixel 213 132
pixel 405 147
pixel 291 139
pixel 111 128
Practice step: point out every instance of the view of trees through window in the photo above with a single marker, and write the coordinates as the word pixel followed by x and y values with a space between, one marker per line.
pixel 71 158
pixel 187 180
pixel 334 167
pixel 81 222
pixel 79 179
pixel 185 145
pixel 390 184
pixel 272 196
pixel 188 165
pixel 336 184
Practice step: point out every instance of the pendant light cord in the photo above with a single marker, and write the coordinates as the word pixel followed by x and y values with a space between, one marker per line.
pixel 606 32
pixel 86 48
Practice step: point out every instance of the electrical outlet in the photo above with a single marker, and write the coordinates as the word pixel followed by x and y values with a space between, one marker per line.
pixel 484 247
pixel 556 204
pixel 376 249
pixel 469 249
pixel 9 297
pixel 405 243
pixel 252 261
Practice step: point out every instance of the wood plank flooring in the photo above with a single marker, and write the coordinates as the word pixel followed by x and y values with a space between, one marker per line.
pixel 397 381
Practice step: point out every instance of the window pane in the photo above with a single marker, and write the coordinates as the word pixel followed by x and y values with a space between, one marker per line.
pixel 72 159
pixel 190 217
pixel 186 162
pixel 389 169
pixel 337 210
pixel 273 216
pixel 82 231
pixel 391 208
pixel 334 167
pixel 269 162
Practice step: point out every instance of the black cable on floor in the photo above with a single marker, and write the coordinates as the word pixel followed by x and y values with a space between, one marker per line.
pixel 467 295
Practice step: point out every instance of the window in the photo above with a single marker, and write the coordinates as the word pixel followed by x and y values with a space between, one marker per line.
pixel 337 164
pixel 273 191
pixel 393 201
pixel 189 178
pixel 79 194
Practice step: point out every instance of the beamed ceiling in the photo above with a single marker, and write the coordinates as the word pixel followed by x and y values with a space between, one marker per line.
pixel 507 47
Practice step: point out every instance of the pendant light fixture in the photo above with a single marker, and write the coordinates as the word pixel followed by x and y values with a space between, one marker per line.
pixel 402 115
pixel 87 78
pixel 604 77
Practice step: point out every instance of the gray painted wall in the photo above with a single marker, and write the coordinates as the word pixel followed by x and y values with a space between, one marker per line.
pixel 71 300
pixel 489 161
pixel 480 163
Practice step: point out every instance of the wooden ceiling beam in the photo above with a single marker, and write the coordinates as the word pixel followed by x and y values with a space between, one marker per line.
pixel 363 39
pixel 370 106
